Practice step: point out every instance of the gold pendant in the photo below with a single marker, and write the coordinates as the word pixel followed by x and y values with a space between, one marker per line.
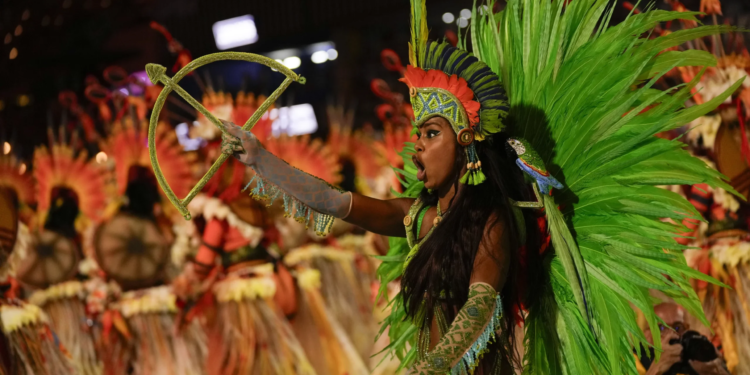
pixel 407 221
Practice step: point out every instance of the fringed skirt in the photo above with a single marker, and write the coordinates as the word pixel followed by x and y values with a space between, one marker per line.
pixel 325 342
pixel 34 349
pixel 65 306
pixel 345 291
pixel 157 347
pixel 248 333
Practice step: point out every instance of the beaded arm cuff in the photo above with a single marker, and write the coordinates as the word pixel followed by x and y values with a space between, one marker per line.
pixel 462 347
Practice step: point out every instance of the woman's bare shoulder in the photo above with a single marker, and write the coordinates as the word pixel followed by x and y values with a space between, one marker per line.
pixel 492 259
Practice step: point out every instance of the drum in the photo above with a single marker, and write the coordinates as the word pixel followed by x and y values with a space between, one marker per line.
pixel 8 224
pixel 729 158
pixel 53 258
pixel 132 251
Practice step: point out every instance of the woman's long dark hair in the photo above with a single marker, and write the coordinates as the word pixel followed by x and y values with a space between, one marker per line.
pixel 445 260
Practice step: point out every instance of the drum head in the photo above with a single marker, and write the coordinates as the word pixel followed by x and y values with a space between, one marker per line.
pixel 729 158
pixel 53 258
pixel 8 225
pixel 132 251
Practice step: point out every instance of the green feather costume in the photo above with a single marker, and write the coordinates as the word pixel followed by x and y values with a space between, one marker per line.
pixel 580 93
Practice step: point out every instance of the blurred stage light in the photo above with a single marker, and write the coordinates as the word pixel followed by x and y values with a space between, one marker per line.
pixel 448 17
pixel 6 148
pixel 463 22
pixel 13 53
pixel 23 100
pixel 183 136
pixel 295 120
pixel 292 62
pixel 26 14
pixel 332 54
pixel 465 13
pixel 8 38
pixel 319 57
pixel 320 46
pixel 19 30
pixel 101 157
pixel 142 77
pixel 22 168
pixel 235 32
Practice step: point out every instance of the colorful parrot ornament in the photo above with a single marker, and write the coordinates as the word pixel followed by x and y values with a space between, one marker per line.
pixel 531 163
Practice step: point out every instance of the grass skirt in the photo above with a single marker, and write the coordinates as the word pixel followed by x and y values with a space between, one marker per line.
pixel 33 348
pixel 157 347
pixel 248 333
pixel 345 291
pixel 325 342
pixel 65 306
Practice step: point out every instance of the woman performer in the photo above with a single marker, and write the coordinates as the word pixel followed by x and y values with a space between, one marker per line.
pixel 470 246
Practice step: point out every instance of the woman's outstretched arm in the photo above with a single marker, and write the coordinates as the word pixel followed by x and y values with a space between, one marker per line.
pixel 379 216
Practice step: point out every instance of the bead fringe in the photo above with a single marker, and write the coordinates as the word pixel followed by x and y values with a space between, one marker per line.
pixel 469 362
pixel 474 175
pixel 269 193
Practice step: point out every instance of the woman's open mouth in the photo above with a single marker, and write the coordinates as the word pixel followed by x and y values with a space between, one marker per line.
pixel 420 168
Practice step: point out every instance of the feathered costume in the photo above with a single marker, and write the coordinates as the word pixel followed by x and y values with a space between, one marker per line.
pixel 31 347
pixel 396 115
pixel 352 147
pixel 580 93
pixel 133 249
pixel 53 259
pixel 244 298
pixel 325 322
pixel 335 296
pixel 16 176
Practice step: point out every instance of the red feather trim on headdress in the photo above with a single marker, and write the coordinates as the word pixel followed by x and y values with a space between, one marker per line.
pixel 418 78
pixel 351 144
pixel 128 145
pixel 61 168
pixel 15 177
pixel 309 156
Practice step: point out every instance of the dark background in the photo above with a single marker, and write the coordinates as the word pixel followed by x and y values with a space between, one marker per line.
pixel 64 41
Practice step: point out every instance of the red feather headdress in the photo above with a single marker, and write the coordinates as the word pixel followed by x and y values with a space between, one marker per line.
pixel 59 166
pixel 417 78
pixel 13 175
pixel 128 145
